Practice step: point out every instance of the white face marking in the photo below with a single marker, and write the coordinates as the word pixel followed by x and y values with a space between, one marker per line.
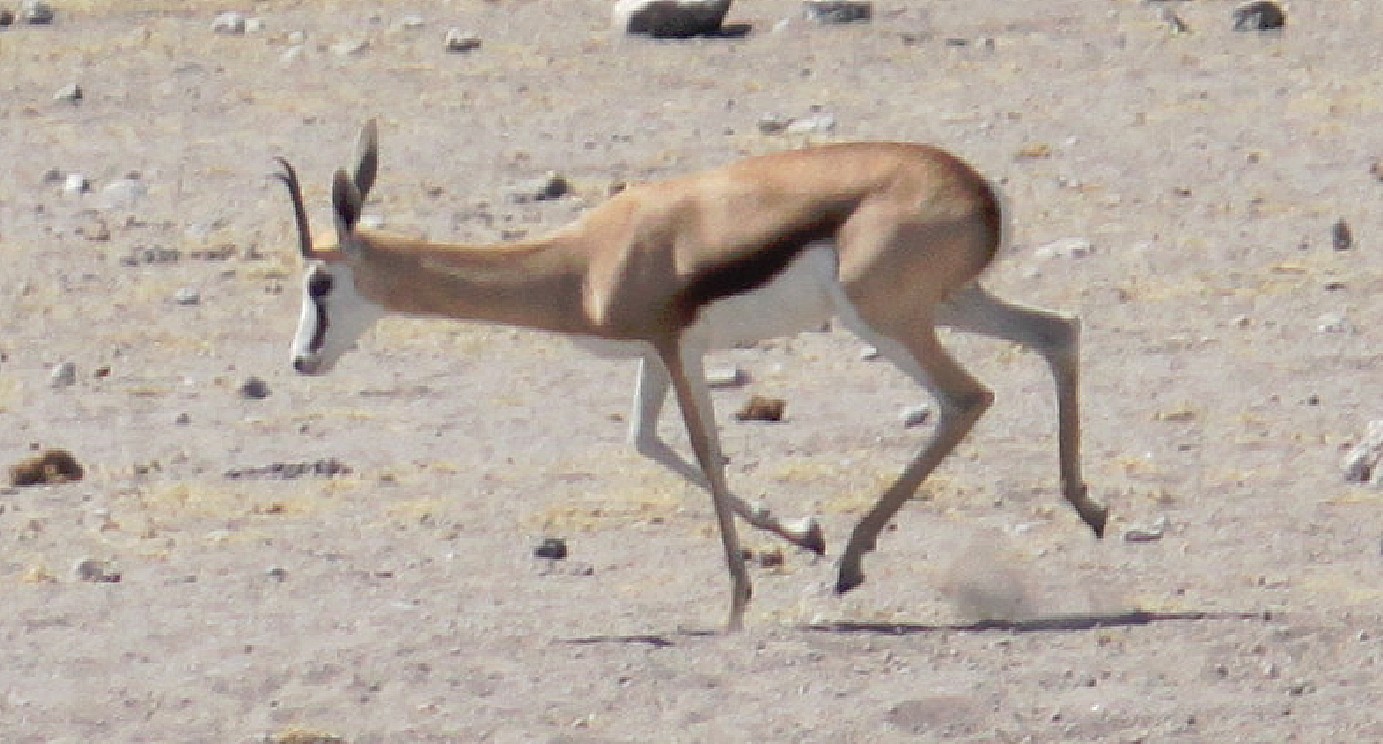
pixel 334 317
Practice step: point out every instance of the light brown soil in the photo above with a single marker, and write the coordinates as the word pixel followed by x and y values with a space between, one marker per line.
pixel 401 602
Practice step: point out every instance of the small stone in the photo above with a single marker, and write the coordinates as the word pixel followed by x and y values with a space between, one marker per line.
pixel 292 54
pixel 869 354
pixel 35 12
pixel 1260 15
pixel 551 186
pixel 552 548
pixel 1362 463
pixel 96 570
pixel 183 419
pixel 1332 323
pixel 64 375
pixel 69 93
pixel 760 408
pixel 277 573
pixel 458 41
pixel 51 467
pixel 670 18
pixel 1065 248
pixel 724 377
pixel 773 124
pixel 187 296
pixel 350 47
pixel 838 11
pixel 6 17
pixel 230 23
pixel 411 21
pixel 914 416
pixel 1148 534
pixel 1341 237
pixel 254 389
pixel 75 183
pixel 1174 22
pixel 819 124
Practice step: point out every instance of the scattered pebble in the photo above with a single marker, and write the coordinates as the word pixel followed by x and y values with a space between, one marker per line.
pixel 63 375
pixel 551 186
pixel 49 467
pixel 917 415
pixel 230 23
pixel 459 42
pixel 723 377
pixel 1259 15
pixel 838 11
pixel 552 548
pixel 1065 248
pixel 819 124
pixel 254 389
pixel 6 17
pixel 869 354
pixel 96 570
pixel 35 12
pixel 760 408
pixel 75 183
pixel 1341 237
pixel 327 468
pixel 187 296
pixel 277 573
pixel 1362 463
pixel 69 93
pixel 670 18
pixel 1174 22
pixel 1148 534
pixel 350 47
pixel 773 124
pixel 1332 323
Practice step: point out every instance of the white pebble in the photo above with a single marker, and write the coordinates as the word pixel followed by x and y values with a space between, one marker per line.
pixel 461 41
pixel 1065 248
pixel 721 377
pixel 75 183
pixel 916 415
pixel 64 375
pixel 230 22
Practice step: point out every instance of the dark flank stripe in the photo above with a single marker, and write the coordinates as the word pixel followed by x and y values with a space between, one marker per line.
pixel 752 270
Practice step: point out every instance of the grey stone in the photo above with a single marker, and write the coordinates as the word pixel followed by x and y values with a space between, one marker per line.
pixel 670 18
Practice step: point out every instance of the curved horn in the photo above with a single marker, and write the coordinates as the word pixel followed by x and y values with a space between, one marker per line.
pixel 289 177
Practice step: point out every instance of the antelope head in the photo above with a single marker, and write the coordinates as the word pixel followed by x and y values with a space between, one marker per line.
pixel 334 312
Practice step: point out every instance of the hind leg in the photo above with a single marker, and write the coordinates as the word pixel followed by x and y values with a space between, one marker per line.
pixel 1056 337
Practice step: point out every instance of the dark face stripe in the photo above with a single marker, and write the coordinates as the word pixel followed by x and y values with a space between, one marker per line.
pixel 318 289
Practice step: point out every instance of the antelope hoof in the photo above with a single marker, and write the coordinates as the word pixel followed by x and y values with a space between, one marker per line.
pixel 1095 516
pixel 848 579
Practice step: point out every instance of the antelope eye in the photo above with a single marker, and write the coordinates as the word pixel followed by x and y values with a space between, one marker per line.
pixel 319 286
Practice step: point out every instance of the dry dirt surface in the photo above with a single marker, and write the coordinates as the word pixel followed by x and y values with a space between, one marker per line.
pixel 351 558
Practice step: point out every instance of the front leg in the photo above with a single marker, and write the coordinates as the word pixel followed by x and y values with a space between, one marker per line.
pixel 683 368
pixel 649 395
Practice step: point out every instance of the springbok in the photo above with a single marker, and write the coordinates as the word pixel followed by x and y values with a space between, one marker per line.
pixel 888 238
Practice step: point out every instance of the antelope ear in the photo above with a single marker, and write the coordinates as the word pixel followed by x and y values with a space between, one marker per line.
pixel 346 202
pixel 366 158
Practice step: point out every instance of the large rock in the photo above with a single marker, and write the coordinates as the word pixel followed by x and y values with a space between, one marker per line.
pixel 670 18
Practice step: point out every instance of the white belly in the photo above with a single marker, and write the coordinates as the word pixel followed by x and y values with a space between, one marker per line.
pixel 799 298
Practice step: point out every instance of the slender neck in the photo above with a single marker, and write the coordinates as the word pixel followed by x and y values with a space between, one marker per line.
pixel 536 284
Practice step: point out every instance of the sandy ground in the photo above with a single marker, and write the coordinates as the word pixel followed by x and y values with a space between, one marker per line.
pixel 1231 355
